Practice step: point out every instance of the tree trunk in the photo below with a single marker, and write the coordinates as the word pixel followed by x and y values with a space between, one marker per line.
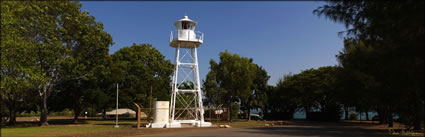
pixel 249 114
pixel 360 116
pixel 262 112
pixel 419 115
pixel 231 112
pixel 77 112
pixel 43 116
pixel 346 112
pixel 367 115
pixel 306 113
pixel 1 113
pixel 12 115
pixel 390 116
pixel 382 115
pixel 104 114
pixel 390 120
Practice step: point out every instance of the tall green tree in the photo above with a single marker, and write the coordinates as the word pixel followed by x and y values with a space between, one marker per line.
pixel 386 42
pixel 140 67
pixel 97 91
pixel 64 42
pixel 211 88
pixel 86 57
pixel 234 76
pixel 258 98
pixel 16 70
pixel 288 100
pixel 313 90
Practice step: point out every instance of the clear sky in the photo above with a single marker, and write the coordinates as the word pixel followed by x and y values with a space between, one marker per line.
pixel 283 37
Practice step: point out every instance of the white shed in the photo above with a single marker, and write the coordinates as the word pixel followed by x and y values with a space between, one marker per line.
pixel 123 112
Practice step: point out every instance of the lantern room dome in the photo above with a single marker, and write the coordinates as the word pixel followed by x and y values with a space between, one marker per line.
pixel 185 19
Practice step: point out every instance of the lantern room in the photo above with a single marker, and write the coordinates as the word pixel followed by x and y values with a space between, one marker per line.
pixel 185 24
pixel 185 35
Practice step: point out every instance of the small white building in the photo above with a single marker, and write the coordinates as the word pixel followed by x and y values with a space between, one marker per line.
pixel 123 112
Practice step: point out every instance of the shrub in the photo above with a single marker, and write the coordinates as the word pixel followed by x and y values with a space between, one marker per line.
pixel 353 116
pixel 235 111
pixel 65 112
pixel 28 114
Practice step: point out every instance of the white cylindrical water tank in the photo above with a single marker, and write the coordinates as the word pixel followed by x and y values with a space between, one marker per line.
pixel 161 113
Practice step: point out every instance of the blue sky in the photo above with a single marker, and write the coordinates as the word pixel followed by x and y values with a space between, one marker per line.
pixel 283 37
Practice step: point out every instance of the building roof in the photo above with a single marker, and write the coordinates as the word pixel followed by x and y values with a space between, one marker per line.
pixel 121 111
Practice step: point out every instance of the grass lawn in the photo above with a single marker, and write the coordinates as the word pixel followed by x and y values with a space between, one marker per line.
pixel 249 123
pixel 55 129
pixel 64 127
pixel 62 130
pixel 86 128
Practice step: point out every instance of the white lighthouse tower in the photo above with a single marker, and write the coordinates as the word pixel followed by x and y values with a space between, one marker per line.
pixel 186 96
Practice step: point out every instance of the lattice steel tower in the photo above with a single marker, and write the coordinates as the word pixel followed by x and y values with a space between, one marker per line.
pixel 186 98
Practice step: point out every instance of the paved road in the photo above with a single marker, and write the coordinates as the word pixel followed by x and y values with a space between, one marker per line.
pixel 332 130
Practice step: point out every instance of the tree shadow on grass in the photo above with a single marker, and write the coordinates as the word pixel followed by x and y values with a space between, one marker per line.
pixel 51 122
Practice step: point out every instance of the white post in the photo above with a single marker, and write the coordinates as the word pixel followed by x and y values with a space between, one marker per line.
pixel 116 111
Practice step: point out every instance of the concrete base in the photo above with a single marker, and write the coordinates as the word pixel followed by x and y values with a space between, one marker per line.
pixel 195 123
pixel 164 125
pixel 157 125
pixel 203 124
pixel 178 124
pixel 174 125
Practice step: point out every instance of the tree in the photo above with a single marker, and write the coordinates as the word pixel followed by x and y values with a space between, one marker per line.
pixel 14 71
pixel 86 57
pixel 58 35
pixel 288 100
pixel 140 67
pixel 213 93
pixel 234 77
pixel 313 90
pixel 258 98
pixel 105 82
pixel 388 37
pixel 97 90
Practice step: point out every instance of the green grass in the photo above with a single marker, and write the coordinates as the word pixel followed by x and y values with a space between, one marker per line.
pixel 249 123
pixel 56 130
pixel 86 128
pixel 92 128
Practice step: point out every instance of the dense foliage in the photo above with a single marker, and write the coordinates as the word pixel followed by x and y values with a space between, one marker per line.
pixel 233 80
pixel 384 46
pixel 54 41
pixel 58 52
pixel 140 68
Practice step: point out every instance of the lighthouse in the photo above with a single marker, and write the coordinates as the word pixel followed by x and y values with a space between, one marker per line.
pixel 186 96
